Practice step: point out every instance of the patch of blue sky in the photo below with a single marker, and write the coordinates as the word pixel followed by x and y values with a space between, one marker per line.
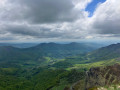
pixel 92 6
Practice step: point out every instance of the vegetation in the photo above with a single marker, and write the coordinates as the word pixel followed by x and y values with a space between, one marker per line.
pixel 51 66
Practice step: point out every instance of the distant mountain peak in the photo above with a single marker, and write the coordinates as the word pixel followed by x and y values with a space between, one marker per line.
pixel 50 43
pixel 74 43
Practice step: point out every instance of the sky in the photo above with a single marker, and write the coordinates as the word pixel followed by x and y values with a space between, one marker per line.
pixel 92 6
pixel 59 20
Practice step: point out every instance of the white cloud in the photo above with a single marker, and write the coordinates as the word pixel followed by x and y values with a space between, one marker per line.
pixel 64 19
pixel 106 19
pixel 81 4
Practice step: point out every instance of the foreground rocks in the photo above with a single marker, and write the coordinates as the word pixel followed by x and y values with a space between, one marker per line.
pixel 103 76
pixel 100 77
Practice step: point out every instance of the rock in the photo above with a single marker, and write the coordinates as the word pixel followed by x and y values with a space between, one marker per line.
pixel 103 76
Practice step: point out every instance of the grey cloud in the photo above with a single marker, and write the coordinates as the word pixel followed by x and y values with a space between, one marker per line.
pixel 6 38
pixel 47 11
pixel 33 31
pixel 20 29
pixel 108 26
pixel 40 19
pixel 57 19
pixel 40 31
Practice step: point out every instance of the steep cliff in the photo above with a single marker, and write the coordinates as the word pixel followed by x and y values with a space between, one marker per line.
pixel 100 77
pixel 103 76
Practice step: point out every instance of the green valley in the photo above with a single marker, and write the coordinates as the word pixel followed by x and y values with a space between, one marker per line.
pixel 51 66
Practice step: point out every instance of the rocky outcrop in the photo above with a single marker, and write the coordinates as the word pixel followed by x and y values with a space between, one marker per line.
pixel 99 77
pixel 103 76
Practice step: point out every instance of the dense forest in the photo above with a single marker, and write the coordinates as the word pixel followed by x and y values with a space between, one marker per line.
pixel 51 66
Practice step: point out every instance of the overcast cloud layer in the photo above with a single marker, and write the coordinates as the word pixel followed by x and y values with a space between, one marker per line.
pixel 29 20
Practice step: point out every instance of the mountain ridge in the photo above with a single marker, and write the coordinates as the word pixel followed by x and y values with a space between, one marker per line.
pixel 44 52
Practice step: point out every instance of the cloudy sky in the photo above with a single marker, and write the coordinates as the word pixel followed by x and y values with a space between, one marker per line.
pixel 59 20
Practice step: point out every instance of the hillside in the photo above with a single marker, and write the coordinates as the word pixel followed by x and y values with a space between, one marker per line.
pixel 61 66
pixel 43 53
pixel 19 45
pixel 104 54
pixel 103 69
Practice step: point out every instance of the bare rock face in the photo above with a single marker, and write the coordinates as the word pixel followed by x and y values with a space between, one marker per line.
pixel 99 77
pixel 103 76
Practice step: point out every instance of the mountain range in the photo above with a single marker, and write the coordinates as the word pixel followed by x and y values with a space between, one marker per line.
pixel 53 66
pixel 44 52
